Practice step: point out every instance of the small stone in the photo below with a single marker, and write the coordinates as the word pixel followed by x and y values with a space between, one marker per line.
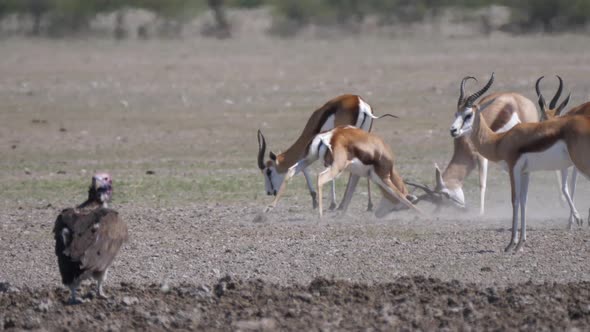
pixel 264 324
pixel 44 306
pixel 165 288
pixel 130 300
pixel 150 172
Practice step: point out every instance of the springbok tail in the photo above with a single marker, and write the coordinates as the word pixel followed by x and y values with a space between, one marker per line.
pixel 387 114
pixel 382 116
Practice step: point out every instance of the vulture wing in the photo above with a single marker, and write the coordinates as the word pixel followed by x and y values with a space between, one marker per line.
pixel 105 239
pixel 89 240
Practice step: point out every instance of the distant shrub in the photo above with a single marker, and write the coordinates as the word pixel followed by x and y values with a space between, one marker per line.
pixel 550 15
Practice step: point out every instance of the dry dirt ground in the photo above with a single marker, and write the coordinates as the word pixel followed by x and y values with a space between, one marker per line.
pixel 175 123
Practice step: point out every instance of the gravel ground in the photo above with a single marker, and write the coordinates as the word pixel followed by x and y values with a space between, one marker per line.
pixel 175 123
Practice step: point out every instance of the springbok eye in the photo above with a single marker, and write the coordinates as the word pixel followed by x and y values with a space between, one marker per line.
pixel 268 172
pixel 468 116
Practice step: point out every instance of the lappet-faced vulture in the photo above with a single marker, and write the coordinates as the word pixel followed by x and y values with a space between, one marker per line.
pixel 88 237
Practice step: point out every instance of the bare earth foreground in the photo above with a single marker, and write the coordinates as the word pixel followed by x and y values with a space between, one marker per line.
pixel 175 124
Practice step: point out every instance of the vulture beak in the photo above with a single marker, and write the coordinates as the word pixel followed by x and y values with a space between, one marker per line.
pixel 102 182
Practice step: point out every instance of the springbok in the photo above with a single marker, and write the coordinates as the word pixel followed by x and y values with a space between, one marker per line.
pixel 340 111
pixel 550 112
pixel 362 154
pixel 508 110
pixel 554 144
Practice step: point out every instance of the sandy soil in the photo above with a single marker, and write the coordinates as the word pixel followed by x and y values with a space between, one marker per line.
pixel 175 124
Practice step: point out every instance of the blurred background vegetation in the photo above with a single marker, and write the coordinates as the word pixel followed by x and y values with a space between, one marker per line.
pixel 60 18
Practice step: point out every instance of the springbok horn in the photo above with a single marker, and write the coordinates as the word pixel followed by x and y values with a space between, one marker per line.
pixel 420 186
pixel 428 195
pixel 462 90
pixel 563 105
pixel 261 149
pixel 541 101
pixel 557 94
pixel 469 101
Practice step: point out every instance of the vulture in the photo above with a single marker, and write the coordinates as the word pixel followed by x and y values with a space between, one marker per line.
pixel 88 237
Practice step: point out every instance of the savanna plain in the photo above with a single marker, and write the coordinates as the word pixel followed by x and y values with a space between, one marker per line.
pixel 174 123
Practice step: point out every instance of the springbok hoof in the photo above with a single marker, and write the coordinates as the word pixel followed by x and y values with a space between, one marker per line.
pixel 75 301
pixel 510 246
pixel 332 206
pixel 520 246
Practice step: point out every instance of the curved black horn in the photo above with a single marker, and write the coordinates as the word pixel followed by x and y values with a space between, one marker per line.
pixel 261 149
pixel 537 88
pixel 462 89
pixel 557 94
pixel 541 100
pixel 563 105
pixel 469 101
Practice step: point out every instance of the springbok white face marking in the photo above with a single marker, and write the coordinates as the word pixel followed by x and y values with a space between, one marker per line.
pixel 514 120
pixel 272 179
pixel 456 196
pixel 463 122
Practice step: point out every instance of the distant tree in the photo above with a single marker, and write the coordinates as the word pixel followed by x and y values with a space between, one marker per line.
pixel 222 26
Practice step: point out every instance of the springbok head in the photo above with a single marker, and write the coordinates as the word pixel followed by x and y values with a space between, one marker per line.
pixel 454 196
pixel 551 111
pixel 465 112
pixel 272 178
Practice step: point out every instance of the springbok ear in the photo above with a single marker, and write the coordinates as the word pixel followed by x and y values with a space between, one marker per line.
pixel 563 105
pixel 440 183
pixel 272 156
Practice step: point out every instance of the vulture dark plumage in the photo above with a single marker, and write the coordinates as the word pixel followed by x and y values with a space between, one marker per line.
pixel 88 237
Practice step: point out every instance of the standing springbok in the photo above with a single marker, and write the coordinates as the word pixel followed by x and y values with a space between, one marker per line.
pixel 340 111
pixel 356 151
pixel 554 144
pixel 508 110
pixel 550 112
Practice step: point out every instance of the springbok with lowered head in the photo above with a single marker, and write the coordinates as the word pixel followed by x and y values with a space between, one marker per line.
pixel 507 110
pixel 350 149
pixel 341 111
pixel 554 144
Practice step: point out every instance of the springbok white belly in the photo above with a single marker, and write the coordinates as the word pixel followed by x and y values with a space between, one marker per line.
pixel 357 167
pixel 554 158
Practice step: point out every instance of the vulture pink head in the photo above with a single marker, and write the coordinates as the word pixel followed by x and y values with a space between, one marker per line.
pixel 102 187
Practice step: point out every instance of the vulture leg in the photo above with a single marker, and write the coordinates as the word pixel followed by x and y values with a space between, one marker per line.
pixel 100 278
pixel 73 298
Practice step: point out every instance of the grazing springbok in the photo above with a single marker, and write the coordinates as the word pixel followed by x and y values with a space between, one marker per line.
pixel 554 144
pixel 508 109
pixel 341 111
pixel 362 154
pixel 550 112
